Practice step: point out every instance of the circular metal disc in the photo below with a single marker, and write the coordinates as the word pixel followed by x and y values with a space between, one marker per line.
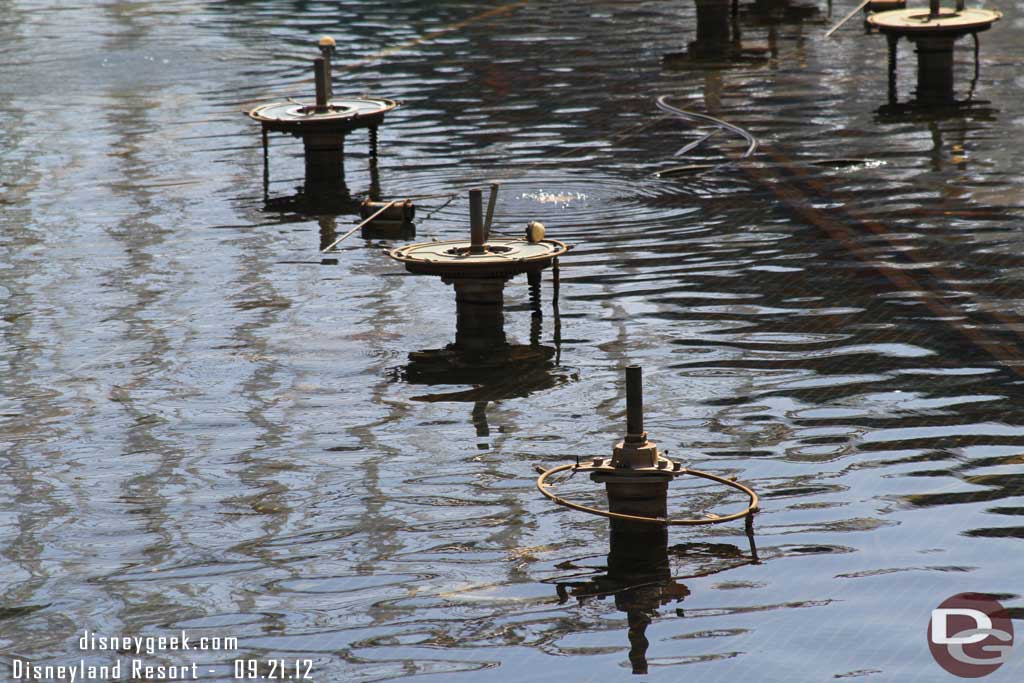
pixel 502 257
pixel 341 109
pixel 916 21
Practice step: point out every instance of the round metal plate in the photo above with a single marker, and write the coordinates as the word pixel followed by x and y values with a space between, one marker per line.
pixel 916 21
pixel 304 112
pixel 503 257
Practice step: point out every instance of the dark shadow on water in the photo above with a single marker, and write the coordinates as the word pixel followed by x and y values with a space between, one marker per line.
pixel 494 369
pixel 929 110
pixel 639 577
pixel 326 199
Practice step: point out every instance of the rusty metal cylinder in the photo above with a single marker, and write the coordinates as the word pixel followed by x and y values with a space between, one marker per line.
pixel 649 499
pixel 404 211
pixel 934 68
pixel 322 76
pixel 477 238
pixel 480 317
pixel 325 168
pixel 634 400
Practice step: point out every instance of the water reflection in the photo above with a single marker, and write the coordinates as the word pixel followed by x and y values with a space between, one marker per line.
pixel 718 38
pixel 321 194
pixel 826 364
pixel 327 198
pixel 639 577
pixel 483 358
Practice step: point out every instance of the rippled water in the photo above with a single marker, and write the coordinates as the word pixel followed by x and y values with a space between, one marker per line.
pixel 206 425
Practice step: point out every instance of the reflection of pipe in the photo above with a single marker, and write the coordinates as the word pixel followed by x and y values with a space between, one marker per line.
pixel 893 42
pixel 555 312
pixel 638 554
pixel 639 576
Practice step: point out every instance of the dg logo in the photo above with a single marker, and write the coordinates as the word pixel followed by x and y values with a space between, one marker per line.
pixel 970 635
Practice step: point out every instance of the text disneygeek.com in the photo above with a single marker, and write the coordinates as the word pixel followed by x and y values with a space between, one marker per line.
pixel 130 662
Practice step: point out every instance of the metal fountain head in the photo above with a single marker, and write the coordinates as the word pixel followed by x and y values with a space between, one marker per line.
pixel 635 451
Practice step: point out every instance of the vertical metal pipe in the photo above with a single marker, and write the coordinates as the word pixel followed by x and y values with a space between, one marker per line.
pixel 933 9
pixel 476 222
pixel 960 5
pixel 326 49
pixel 321 74
pixel 491 202
pixel 634 400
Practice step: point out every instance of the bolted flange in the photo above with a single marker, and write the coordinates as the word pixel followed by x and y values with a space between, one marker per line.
pixel 635 452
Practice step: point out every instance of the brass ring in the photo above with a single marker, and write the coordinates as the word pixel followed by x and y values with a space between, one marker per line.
pixel 747 512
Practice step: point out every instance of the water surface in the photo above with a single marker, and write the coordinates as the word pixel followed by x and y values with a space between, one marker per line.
pixel 206 425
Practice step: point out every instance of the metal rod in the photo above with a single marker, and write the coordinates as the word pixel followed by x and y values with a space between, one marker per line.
pixel 491 202
pixel 364 222
pixel 634 400
pixel 960 5
pixel 326 50
pixel 933 9
pixel 845 19
pixel 477 233
pixel 322 75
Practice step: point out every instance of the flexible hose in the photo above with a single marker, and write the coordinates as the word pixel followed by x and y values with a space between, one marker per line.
pixel 704 118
